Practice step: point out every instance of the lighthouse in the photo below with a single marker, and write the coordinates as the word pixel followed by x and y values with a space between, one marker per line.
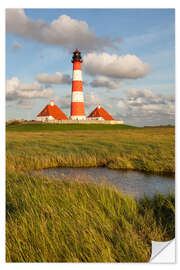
pixel 77 98
pixel 52 113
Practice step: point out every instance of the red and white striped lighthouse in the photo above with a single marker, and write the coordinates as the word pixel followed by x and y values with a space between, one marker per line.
pixel 77 98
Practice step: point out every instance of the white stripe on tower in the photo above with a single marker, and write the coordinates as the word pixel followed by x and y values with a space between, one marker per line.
pixel 77 96
pixel 77 75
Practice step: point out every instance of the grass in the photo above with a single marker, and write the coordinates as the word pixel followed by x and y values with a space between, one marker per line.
pixel 67 221
pixel 19 127
pixel 144 149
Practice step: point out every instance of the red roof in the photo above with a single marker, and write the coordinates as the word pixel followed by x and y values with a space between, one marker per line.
pixel 53 111
pixel 100 112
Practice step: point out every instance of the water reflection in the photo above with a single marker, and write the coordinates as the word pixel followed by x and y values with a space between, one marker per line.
pixel 134 183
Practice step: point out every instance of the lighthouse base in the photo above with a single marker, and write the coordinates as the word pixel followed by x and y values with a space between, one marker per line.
pixel 78 117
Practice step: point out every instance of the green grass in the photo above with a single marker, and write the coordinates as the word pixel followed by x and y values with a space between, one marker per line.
pixel 64 127
pixel 144 149
pixel 67 221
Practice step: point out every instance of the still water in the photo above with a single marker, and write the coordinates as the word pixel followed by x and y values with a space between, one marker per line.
pixel 134 183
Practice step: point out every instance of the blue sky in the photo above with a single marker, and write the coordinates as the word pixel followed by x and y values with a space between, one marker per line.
pixel 129 51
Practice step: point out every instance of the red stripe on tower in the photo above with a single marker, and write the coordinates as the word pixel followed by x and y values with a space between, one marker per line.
pixel 77 98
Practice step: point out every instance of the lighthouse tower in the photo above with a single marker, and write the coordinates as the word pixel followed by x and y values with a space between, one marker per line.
pixel 77 98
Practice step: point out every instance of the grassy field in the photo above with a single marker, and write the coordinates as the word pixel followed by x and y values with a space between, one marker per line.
pixel 145 149
pixel 64 127
pixel 66 221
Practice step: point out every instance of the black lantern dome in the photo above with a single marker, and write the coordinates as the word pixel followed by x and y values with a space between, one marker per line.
pixel 76 56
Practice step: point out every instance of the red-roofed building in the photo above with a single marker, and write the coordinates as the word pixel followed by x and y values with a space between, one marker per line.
pixel 100 113
pixel 51 112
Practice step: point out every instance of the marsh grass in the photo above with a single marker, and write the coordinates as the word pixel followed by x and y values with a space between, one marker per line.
pixel 145 149
pixel 67 221
pixel 50 220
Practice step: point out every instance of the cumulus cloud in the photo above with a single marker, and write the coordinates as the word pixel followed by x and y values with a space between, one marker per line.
pixel 17 90
pixel 64 31
pixel 57 78
pixel 122 67
pixel 142 107
pixel 92 99
pixel 63 102
pixel 133 92
pixel 25 104
pixel 17 46
pixel 29 86
pixel 102 81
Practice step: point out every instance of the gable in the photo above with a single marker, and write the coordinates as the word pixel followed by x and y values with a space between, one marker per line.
pixel 53 111
pixel 101 112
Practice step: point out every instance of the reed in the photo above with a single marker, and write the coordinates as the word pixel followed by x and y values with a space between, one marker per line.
pixel 67 221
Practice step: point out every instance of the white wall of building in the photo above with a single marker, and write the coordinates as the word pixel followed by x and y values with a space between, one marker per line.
pixel 78 117
pixel 45 118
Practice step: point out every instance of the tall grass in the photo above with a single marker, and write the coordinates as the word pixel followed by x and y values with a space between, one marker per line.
pixel 67 221
pixel 145 149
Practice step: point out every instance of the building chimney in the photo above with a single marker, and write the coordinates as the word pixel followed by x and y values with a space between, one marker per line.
pixel 52 102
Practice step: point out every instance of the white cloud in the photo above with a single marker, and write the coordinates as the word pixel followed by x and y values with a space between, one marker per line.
pixel 64 31
pixel 57 78
pixel 133 92
pixel 122 67
pixel 34 86
pixel 17 90
pixel 17 46
pixel 92 99
pixel 11 85
pixel 63 102
pixel 25 104
pixel 102 81
pixel 121 105
pixel 142 107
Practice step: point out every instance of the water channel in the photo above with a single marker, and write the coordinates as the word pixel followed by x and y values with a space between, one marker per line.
pixel 134 183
